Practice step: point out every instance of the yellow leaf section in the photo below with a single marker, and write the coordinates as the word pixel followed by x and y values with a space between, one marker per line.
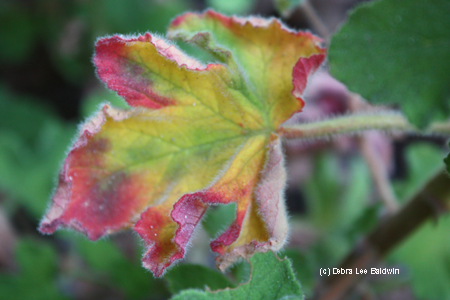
pixel 125 161
pixel 238 184
pixel 166 242
pixel 170 148
pixel 163 73
pixel 265 50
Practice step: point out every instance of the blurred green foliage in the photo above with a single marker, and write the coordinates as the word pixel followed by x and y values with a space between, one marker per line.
pixel 109 267
pixel 37 276
pixel 218 219
pixel 33 142
pixel 69 29
pixel 15 45
pixel 239 7
pixel 339 195
pixel 345 196
pixel 286 7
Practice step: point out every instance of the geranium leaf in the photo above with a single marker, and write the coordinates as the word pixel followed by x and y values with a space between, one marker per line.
pixel 392 53
pixel 261 52
pixel 270 278
pixel 195 136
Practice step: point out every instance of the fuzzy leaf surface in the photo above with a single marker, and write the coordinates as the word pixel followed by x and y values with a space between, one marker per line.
pixel 196 135
pixel 270 279
pixel 393 52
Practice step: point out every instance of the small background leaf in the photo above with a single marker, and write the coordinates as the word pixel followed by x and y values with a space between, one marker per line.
pixel 397 53
pixel 270 279
pixel 304 267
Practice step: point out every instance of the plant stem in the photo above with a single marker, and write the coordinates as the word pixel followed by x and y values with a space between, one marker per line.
pixel 379 174
pixel 348 124
pixel 314 20
pixel 431 201
pixel 377 166
pixel 439 128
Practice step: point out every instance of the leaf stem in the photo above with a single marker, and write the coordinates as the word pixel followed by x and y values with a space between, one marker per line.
pixel 439 128
pixel 379 174
pixel 315 20
pixel 348 124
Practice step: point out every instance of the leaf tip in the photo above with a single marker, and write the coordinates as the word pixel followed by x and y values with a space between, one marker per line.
pixel 166 242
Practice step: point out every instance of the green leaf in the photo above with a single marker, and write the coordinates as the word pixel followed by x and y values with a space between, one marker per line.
pixel 240 271
pixel 270 279
pixel 397 52
pixel 304 267
pixel 36 279
pixel 199 278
